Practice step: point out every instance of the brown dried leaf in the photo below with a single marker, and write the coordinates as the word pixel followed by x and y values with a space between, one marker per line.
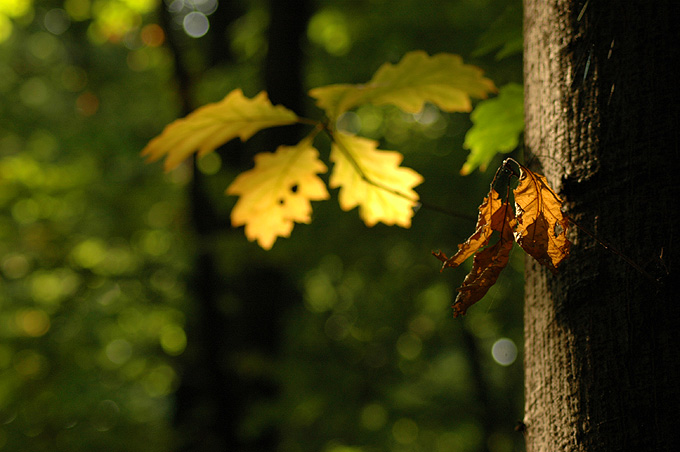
pixel 541 226
pixel 492 215
pixel 486 266
pixel 536 223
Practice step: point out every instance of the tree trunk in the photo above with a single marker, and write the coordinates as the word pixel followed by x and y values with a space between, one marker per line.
pixel 602 122
pixel 214 395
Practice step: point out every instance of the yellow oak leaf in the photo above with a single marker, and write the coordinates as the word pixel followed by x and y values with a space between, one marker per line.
pixel 277 192
pixel 373 180
pixel 442 79
pixel 214 124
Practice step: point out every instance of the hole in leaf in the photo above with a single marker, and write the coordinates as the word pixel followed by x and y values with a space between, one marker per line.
pixel 294 188
pixel 558 229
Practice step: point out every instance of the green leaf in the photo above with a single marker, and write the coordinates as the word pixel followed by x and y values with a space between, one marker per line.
pixel 497 125
pixel 441 79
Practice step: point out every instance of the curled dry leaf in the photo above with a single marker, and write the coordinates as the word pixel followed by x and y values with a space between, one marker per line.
pixel 536 224
pixel 494 215
pixel 541 227
pixel 486 267
pixel 491 218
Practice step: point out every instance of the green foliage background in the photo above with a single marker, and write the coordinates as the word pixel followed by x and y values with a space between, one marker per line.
pixel 97 250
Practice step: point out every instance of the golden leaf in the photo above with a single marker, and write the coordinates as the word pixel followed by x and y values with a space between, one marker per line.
pixel 277 192
pixel 441 79
pixel 214 124
pixel 373 180
pixel 541 227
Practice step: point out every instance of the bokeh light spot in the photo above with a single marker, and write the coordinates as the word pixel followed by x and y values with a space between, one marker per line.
pixel 160 214
pixel 409 345
pixel 105 416
pixel 89 253
pixel 405 431
pixel 173 340
pixel 196 24
pixel 329 30
pixel 77 9
pixel 320 295
pixel 5 28
pixel 50 287
pixel 30 364
pixel 87 103
pixel 57 21
pixel 337 327
pixel 504 352
pixel 15 266
pixel 118 351
pixel 34 92
pixel 26 211
pixel 155 242
pixel 33 322
pixel 152 35
pixel 210 163
pixel 73 78
pixel 349 122
pixel 15 8
pixel 160 381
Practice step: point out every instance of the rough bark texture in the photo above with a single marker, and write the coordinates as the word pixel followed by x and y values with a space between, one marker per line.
pixel 601 358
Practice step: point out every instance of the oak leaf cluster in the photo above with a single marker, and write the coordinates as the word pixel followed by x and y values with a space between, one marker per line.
pixel 277 192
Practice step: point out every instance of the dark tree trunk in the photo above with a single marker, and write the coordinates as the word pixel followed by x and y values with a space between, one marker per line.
pixel 214 395
pixel 601 98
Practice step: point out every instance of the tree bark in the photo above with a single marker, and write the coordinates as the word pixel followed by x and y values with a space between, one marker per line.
pixel 601 103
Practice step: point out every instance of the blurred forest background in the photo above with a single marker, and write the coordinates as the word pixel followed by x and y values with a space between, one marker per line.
pixel 134 318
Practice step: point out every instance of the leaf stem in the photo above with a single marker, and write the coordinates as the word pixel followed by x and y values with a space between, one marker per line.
pixel 311 122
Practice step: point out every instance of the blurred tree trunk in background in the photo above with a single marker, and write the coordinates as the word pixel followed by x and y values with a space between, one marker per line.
pixel 217 388
pixel 601 358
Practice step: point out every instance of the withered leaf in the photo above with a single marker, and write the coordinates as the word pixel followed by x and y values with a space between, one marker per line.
pixel 541 226
pixel 536 224
pixel 486 266
pixel 492 216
